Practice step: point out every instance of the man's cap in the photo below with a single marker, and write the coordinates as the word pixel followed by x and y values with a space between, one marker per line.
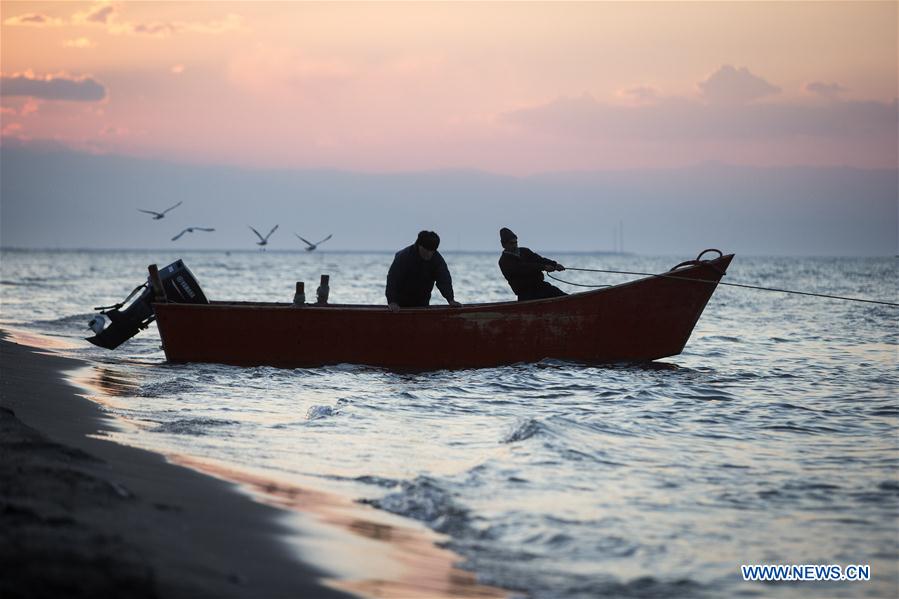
pixel 429 240
pixel 506 235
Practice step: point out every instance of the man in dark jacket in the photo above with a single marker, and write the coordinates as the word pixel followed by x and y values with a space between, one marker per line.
pixel 524 269
pixel 414 271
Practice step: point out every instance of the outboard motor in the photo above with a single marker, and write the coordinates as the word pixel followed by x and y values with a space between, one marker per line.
pixel 115 325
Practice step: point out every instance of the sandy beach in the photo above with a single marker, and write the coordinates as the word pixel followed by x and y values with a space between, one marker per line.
pixel 81 516
pixel 84 516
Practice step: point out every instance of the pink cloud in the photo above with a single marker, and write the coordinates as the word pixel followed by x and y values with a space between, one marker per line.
pixel 673 118
pixel 728 85
pixel 108 15
pixel 641 94
pixel 30 106
pixel 825 90
pixel 12 129
pixel 101 13
pixel 53 87
pixel 231 22
pixel 33 19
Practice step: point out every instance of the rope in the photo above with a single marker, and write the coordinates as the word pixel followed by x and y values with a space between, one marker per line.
pixel 570 283
pixel 123 302
pixel 667 276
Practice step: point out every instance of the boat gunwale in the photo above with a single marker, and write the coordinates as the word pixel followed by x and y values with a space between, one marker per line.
pixel 472 307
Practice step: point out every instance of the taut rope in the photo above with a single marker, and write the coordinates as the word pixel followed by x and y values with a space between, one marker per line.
pixel 697 262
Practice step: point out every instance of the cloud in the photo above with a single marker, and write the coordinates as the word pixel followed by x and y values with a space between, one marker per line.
pixel 641 94
pixel 728 85
pixel 825 90
pixel 80 43
pixel 681 119
pixel 231 22
pixel 101 12
pixel 109 16
pixel 177 69
pixel 13 129
pixel 53 87
pixel 33 19
pixel 157 29
pixel 30 106
pixel 727 114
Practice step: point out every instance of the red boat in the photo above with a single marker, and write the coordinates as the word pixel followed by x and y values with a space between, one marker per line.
pixel 642 320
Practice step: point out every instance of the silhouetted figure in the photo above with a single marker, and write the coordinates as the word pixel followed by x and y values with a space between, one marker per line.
pixel 523 269
pixel 414 272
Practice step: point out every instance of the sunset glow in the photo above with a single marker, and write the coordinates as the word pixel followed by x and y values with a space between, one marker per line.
pixel 503 87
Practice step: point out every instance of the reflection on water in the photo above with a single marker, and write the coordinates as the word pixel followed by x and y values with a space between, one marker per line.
pixel 40 341
pixel 427 570
pixel 772 439
pixel 109 381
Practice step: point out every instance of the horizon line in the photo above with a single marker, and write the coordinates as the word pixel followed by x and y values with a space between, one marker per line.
pixel 448 251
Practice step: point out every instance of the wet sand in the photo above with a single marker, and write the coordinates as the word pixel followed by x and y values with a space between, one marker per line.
pixel 81 516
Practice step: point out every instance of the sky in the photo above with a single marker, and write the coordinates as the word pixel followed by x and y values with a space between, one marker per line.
pixel 514 90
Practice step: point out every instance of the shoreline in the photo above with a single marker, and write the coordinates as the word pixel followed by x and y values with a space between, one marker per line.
pixel 82 515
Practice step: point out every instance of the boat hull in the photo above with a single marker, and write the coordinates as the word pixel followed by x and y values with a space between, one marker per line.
pixel 642 320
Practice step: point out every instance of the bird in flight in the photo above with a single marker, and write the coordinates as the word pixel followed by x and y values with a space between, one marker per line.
pixel 191 230
pixel 311 246
pixel 263 240
pixel 159 215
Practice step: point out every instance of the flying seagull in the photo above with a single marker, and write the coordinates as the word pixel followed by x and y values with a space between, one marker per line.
pixel 159 215
pixel 191 230
pixel 311 246
pixel 263 240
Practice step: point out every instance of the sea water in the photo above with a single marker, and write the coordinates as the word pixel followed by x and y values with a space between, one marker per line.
pixel 772 439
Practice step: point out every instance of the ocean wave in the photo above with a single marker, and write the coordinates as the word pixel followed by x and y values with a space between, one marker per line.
pixel 641 588
pixel 318 412
pixel 707 394
pixel 572 439
pixel 790 427
pixel 726 338
pixel 789 406
pixel 597 457
pixel 164 388
pixel 885 411
pixel 379 481
pixel 30 282
pixel 80 320
pixel 523 430
pixel 282 426
pixel 366 479
pixel 18 284
pixel 192 426
pixel 423 499
pixel 545 583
